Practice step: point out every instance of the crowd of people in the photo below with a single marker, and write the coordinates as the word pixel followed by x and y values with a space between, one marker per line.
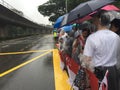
pixel 94 47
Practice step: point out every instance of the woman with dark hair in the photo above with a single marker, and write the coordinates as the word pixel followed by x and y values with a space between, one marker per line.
pixel 115 26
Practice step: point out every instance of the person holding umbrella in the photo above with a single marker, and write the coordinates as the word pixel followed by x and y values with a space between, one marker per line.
pixel 101 50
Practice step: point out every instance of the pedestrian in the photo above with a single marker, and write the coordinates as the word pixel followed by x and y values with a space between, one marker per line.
pixel 69 43
pixel 55 34
pixel 115 27
pixel 101 50
pixel 79 42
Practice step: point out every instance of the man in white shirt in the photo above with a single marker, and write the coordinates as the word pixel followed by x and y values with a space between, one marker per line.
pixel 101 50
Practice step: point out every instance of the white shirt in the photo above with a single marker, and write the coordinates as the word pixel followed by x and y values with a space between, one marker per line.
pixel 102 46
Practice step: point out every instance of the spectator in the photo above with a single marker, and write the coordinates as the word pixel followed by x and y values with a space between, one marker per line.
pixel 55 34
pixel 115 27
pixel 69 43
pixel 76 48
pixel 79 42
pixel 64 36
pixel 101 50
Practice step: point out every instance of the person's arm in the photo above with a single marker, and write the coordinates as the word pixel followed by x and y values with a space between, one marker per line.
pixel 86 63
pixel 87 60
pixel 88 54
pixel 74 45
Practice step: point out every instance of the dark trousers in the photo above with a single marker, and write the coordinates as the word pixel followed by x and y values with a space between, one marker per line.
pixel 113 80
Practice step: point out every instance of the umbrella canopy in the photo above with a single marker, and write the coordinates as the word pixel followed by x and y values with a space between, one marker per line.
pixel 86 8
pixel 88 17
pixel 67 28
pixel 110 8
pixel 64 20
pixel 58 22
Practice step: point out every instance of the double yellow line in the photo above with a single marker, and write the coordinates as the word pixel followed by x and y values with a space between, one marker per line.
pixel 61 78
pixel 23 64
pixel 25 52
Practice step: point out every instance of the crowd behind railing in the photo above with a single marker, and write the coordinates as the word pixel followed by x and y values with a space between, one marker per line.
pixel 71 47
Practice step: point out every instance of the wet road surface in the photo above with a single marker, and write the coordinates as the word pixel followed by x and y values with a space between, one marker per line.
pixel 35 75
pixel 27 64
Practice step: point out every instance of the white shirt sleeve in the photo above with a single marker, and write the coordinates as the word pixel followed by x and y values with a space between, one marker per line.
pixel 89 48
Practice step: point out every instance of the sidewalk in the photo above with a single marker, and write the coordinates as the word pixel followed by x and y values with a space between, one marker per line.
pixel 61 78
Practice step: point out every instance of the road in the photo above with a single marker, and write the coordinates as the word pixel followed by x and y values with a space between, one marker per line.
pixel 26 63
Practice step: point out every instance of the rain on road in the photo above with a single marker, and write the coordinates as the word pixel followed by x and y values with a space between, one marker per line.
pixel 35 75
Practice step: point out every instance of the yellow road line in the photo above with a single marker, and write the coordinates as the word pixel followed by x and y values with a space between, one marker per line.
pixel 25 52
pixel 61 78
pixel 23 64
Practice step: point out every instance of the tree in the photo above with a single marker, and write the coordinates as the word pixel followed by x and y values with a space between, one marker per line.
pixel 55 8
pixel 117 3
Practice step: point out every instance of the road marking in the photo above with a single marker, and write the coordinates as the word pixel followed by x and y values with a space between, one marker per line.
pixel 23 64
pixel 25 52
pixel 60 77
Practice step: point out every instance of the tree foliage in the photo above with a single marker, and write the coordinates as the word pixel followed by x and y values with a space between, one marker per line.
pixel 73 3
pixel 117 3
pixel 55 8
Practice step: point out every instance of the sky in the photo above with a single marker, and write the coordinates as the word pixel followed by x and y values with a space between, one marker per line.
pixel 29 8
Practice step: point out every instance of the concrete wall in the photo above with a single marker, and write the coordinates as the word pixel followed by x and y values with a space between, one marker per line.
pixel 12 31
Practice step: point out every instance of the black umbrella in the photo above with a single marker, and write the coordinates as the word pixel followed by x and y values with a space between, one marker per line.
pixel 86 8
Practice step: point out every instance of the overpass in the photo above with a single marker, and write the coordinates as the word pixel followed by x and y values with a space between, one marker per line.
pixel 10 16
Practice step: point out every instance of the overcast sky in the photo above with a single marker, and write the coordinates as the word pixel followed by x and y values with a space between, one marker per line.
pixel 29 8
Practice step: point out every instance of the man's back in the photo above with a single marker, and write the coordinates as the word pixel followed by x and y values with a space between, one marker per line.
pixel 104 45
pixel 101 48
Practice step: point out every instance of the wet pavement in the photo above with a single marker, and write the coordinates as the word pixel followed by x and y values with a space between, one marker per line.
pixel 37 74
pixel 27 64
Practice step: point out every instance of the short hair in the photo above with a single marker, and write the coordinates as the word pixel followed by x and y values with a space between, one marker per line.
pixel 104 17
pixel 116 23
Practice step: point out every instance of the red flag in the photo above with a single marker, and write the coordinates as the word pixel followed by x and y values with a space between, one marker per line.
pixel 73 66
pixel 93 80
pixel 104 83
pixel 61 56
